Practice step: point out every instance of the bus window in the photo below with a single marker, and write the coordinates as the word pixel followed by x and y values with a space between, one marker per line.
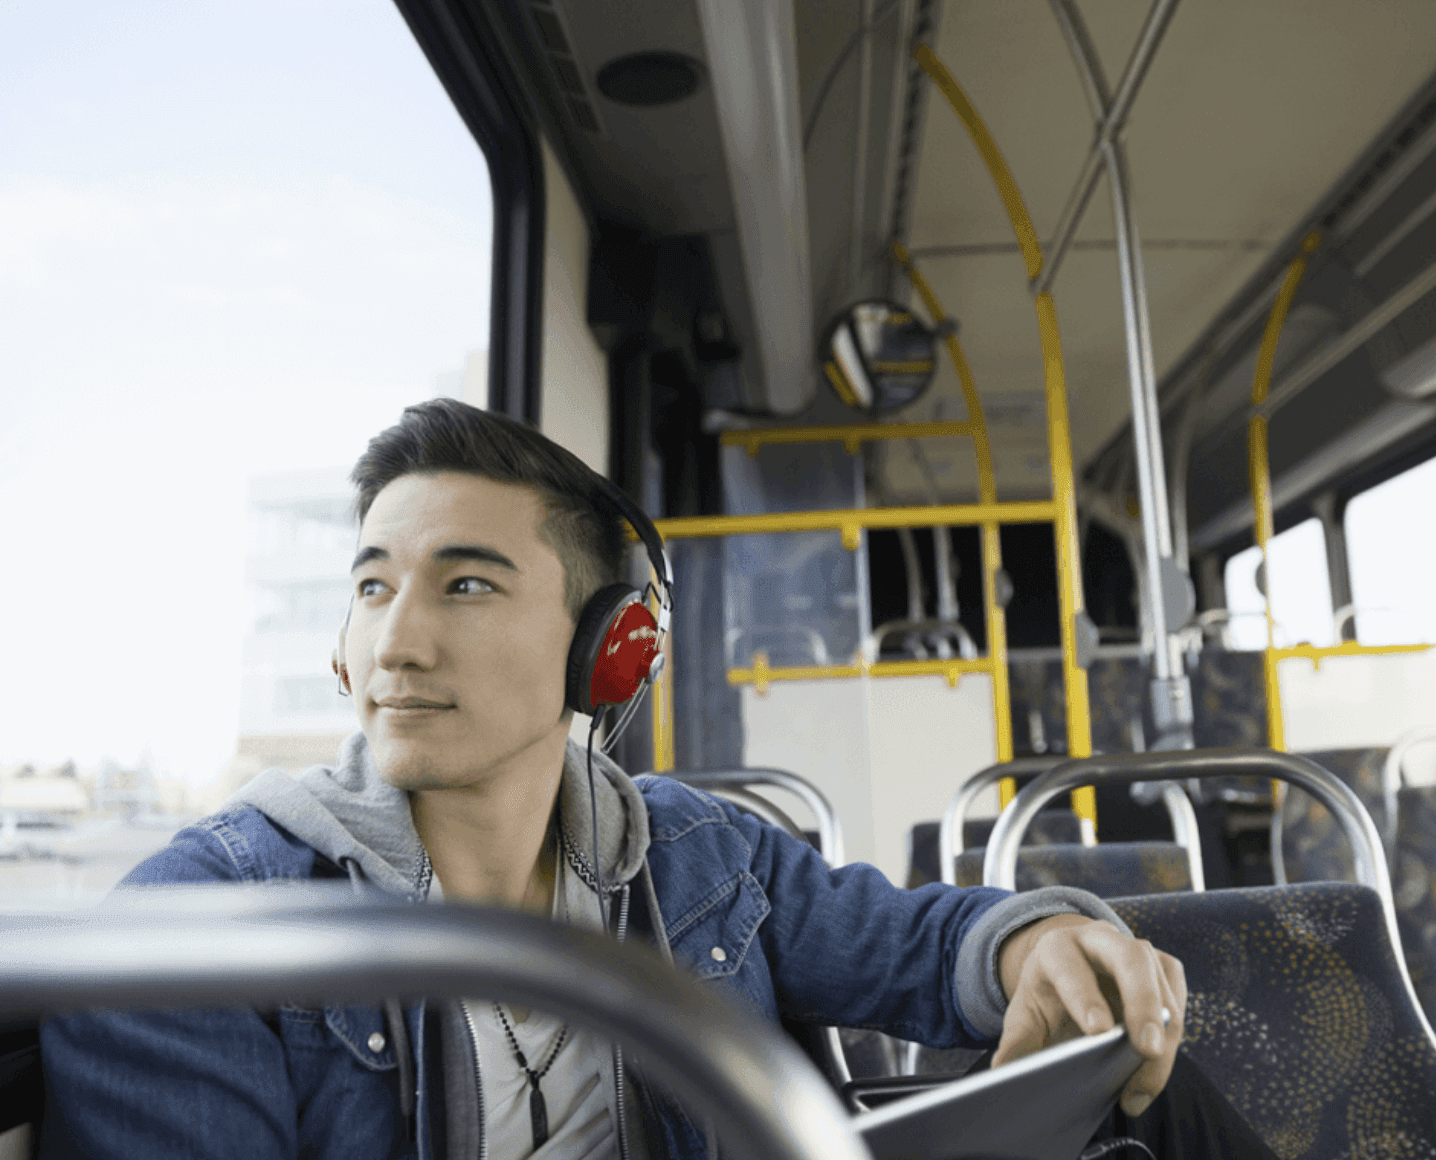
pixel 1392 558
pixel 235 242
pixel 1300 591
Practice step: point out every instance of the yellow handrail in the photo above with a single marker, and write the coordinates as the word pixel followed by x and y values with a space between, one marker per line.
pixel 1347 648
pixel 850 521
pixel 850 436
pixel 1059 439
pixel 761 674
pixel 1259 469
pixel 995 616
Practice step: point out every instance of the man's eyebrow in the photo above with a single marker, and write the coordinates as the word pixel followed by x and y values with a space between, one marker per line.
pixel 367 554
pixel 480 552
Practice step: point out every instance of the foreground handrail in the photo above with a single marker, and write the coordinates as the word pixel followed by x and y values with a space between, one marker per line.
pixel 830 828
pixel 1000 866
pixel 756 1084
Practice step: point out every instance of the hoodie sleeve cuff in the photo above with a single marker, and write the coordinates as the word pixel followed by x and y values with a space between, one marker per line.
pixel 979 987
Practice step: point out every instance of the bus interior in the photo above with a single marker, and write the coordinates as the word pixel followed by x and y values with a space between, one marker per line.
pixel 1036 400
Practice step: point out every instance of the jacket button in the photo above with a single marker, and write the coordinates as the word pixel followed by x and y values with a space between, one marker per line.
pixel 719 955
pixel 376 1043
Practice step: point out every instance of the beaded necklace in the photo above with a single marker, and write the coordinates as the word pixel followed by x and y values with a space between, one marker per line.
pixel 538 1110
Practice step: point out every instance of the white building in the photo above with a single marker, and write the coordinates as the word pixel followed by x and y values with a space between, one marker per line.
pixel 302 537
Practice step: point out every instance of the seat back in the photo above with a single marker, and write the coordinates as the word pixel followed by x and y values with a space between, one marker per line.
pixel 1314 850
pixel 1296 1011
pixel 1114 870
pixel 1048 828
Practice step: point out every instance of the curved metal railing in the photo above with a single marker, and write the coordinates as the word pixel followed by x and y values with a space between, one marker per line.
pixel 143 952
pixel 1000 865
pixel 830 829
pixel 949 833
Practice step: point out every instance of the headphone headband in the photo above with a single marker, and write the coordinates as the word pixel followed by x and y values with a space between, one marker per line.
pixel 643 526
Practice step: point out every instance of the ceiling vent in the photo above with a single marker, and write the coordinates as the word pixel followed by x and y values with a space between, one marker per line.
pixel 646 79
pixel 566 71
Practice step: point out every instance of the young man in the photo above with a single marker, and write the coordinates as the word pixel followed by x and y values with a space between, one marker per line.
pixel 480 542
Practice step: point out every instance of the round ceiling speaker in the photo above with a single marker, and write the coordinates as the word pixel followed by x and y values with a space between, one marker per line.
pixel 650 78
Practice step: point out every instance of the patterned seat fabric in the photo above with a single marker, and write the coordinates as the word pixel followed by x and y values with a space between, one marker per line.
pixel 1114 870
pixel 1047 828
pixel 1314 849
pixel 1297 1014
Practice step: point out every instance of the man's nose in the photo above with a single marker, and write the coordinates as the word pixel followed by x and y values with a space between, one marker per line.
pixel 408 636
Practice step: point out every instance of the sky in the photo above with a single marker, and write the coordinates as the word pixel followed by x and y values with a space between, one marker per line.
pixel 235 237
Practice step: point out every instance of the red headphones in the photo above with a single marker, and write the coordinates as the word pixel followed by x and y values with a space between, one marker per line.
pixel 617 641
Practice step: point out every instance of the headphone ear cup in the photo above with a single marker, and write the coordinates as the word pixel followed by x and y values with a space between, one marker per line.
pixel 613 647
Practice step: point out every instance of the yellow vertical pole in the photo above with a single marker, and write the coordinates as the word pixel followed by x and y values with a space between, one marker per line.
pixel 1069 558
pixel 994 615
pixel 1079 709
pixel 1259 469
pixel 662 708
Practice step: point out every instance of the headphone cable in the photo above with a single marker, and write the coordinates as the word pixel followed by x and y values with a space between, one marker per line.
pixel 598 716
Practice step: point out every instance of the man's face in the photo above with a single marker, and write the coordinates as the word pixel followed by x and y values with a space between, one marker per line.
pixel 459 634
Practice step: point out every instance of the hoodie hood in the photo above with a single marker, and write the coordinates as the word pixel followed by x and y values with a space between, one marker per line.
pixel 348 811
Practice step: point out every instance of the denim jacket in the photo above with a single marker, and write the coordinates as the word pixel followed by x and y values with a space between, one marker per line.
pixel 741 905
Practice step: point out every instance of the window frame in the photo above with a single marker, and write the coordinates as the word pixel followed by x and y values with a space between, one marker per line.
pixel 464 46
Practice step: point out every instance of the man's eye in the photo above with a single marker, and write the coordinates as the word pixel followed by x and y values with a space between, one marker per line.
pixel 470 586
pixel 368 587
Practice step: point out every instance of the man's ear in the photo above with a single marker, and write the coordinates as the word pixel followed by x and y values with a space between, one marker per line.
pixel 336 661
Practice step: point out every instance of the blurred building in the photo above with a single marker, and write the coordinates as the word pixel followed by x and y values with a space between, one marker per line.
pixel 302 537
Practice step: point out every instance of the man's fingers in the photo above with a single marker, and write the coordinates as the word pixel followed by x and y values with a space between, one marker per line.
pixel 1032 1023
pixel 1069 971
pixel 1152 1076
pixel 1136 969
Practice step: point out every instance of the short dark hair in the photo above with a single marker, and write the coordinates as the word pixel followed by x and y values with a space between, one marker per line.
pixel 447 435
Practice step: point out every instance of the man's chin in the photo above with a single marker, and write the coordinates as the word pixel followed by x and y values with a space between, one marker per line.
pixel 409 766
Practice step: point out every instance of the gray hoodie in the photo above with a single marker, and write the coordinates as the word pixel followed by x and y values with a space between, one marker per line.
pixel 353 817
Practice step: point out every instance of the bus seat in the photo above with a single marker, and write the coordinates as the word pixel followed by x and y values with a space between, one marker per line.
pixel 1110 870
pixel 1312 849
pixel 1296 1011
pixel 1050 827
pixel 22 1089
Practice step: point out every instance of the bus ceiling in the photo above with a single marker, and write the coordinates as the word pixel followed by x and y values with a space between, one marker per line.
pixel 795 139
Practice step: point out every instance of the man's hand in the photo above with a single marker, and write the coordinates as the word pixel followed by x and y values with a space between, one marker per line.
pixel 1069 975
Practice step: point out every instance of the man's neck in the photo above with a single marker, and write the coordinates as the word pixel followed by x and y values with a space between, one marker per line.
pixel 491 842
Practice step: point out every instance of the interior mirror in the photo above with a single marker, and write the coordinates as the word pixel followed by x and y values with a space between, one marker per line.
pixel 880 357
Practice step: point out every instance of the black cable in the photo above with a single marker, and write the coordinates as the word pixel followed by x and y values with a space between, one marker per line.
pixel 1112 1145
pixel 837 66
pixel 593 815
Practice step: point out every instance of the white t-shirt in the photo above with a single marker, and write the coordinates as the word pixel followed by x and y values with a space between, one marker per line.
pixel 580 1121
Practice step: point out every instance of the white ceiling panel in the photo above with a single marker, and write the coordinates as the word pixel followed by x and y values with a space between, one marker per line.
pixel 1251 110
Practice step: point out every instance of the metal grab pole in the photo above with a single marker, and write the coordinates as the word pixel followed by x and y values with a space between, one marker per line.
pixel 1110 112
pixel 1170 689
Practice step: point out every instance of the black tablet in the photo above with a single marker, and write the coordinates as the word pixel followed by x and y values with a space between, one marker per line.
pixel 1043 1107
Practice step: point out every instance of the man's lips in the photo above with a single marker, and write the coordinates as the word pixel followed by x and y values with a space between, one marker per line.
pixel 411 703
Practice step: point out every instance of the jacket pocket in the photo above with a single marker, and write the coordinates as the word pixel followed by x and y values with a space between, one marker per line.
pixel 364 1031
pixel 713 936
